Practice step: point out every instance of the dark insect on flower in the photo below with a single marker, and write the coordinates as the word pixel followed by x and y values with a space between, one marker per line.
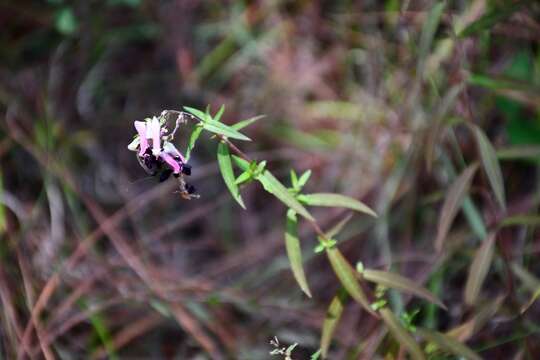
pixel 157 155
pixel 165 174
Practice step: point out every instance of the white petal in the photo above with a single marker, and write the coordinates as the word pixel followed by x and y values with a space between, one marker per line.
pixel 134 144
pixel 156 136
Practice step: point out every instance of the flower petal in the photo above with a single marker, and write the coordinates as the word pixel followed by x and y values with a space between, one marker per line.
pixel 170 149
pixel 134 145
pixel 156 136
pixel 171 162
pixel 140 126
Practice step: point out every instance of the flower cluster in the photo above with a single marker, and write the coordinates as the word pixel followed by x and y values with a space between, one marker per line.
pixel 156 153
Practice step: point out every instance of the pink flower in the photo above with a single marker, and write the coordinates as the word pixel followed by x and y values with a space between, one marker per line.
pixel 167 154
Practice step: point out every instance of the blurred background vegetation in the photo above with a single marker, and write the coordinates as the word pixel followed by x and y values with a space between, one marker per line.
pixel 376 97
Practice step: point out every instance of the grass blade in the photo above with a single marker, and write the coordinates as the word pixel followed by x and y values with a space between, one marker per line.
pixel 226 169
pixel 485 313
pixel 428 33
pixel 273 186
pixel 490 19
pixel 333 315
pixel 530 282
pixel 522 220
pixel 491 165
pixel 336 200
pixel 401 334
pixel 452 202
pixel 448 343
pixel 479 269
pixel 531 152
pixel 294 251
pixel 400 283
pixel 347 276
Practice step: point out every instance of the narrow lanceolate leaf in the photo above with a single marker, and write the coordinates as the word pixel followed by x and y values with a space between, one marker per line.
pixel 273 186
pixel 401 334
pixel 241 163
pixel 529 281
pixel 523 220
pixel 531 152
pixel 491 166
pixel 294 251
pixel 333 315
pixel 347 276
pixel 452 203
pixel 336 229
pixel 244 123
pixel 304 178
pixel 219 114
pixel 428 32
pixel 192 140
pixel 336 200
pixel 197 113
pixel 491 18
pixel 222 129
pixel 448 343
pixel 479 269
pixel 226 169
pixel 400 283
pixel 471 327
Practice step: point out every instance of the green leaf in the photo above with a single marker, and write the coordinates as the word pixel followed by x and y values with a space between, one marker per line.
pixel 66 22
pixel 197 113
pixel 244 123
pixel 519 152
pixel 490 19
pixel 260 168
pixel 336 229
pixel 294 251
pixel 304 178
pixel 479 269
pixel 244 177
pixel 490 165
pixel 319 248
pixel 333 315
pixel 315 355
pixel 401 334
pixel 523 220
pixel 294 180
pixel 219 114
pixel 335 200
pixel 428 33
pixel 484 314
pixel 530 282
pixel 222 129
pixel 400 283
pixel 452 203
pixel 273 186
pixel 241 163
pixel 347 276
pixel 192 140
pixel 448 343
pixel 225 166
